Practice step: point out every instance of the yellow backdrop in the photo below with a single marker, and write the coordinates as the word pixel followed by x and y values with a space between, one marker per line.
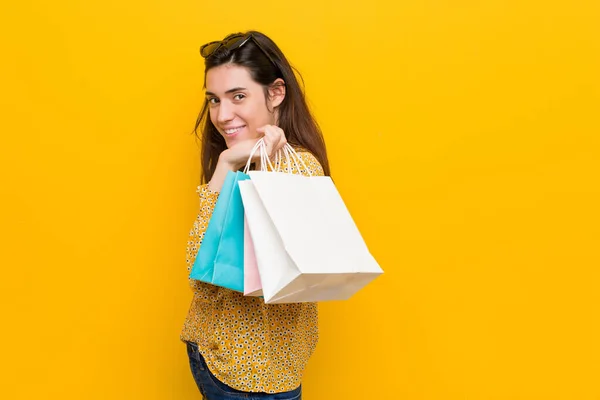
pixel 463 135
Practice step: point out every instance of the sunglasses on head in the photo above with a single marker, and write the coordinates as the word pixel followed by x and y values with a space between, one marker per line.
pixel 232 43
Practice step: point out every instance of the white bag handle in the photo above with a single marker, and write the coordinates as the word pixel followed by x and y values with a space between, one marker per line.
pixel 260 146
pixel 291 153
pixel 288 151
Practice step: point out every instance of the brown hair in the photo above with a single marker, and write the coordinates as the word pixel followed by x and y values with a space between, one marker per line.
pixel 295 118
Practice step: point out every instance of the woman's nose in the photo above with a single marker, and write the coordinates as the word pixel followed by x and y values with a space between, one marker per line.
pixel 225 113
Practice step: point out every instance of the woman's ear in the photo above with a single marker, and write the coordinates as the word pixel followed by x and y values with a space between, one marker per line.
pixel 276 93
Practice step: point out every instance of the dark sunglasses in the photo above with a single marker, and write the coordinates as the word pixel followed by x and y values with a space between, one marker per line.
pixel 232 43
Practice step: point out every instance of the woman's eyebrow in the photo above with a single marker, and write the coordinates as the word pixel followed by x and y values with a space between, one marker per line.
pixel 235 89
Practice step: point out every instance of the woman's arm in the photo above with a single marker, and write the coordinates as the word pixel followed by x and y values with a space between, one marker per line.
pixel 235 157
pixel 208 199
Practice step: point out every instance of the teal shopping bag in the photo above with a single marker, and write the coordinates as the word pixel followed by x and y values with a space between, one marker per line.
pixel 220 259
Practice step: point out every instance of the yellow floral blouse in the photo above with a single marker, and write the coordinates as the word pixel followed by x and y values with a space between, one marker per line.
pixel 247 344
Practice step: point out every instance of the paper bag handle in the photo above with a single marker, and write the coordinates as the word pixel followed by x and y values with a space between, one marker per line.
pixel 288 151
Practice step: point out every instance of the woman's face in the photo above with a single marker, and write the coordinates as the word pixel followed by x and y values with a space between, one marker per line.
pixel 237 103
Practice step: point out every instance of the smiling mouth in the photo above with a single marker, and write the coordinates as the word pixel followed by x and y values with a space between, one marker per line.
pixel 233 131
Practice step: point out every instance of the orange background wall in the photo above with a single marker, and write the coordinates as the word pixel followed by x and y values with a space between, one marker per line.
pixel 464 137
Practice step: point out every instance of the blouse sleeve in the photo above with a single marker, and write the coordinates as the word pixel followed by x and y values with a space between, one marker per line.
pixel 208 199
pixel 309 166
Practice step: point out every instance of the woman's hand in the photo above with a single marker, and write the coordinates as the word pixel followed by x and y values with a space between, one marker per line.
pixel 274 139
pixel 235 157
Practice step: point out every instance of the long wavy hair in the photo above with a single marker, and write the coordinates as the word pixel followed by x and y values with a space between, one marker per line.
pixel 295 118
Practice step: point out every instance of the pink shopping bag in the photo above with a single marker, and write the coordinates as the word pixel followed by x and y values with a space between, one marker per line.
pixel 252 284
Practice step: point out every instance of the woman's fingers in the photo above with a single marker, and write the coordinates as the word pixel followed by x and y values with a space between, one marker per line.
pixel 279 137
pixel 274 139
pixel 269 141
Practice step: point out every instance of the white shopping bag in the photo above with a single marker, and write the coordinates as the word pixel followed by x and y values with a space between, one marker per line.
pixel 306 243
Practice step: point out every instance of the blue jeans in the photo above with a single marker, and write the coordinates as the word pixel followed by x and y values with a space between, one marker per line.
pixel 213 389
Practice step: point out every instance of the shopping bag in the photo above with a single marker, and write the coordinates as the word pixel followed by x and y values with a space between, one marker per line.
pixel 307 246
pixel 220 258
pixel 252 285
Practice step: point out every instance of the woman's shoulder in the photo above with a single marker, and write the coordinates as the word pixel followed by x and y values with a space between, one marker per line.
pixel 309 160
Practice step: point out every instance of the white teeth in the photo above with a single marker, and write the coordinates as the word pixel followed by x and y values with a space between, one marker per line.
pixel 232 131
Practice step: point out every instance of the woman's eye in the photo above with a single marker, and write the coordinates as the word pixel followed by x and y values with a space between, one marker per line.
pixel 213 100
pixel 239 96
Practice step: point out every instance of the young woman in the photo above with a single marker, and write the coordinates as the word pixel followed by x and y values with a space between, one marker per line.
pixel 238 346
